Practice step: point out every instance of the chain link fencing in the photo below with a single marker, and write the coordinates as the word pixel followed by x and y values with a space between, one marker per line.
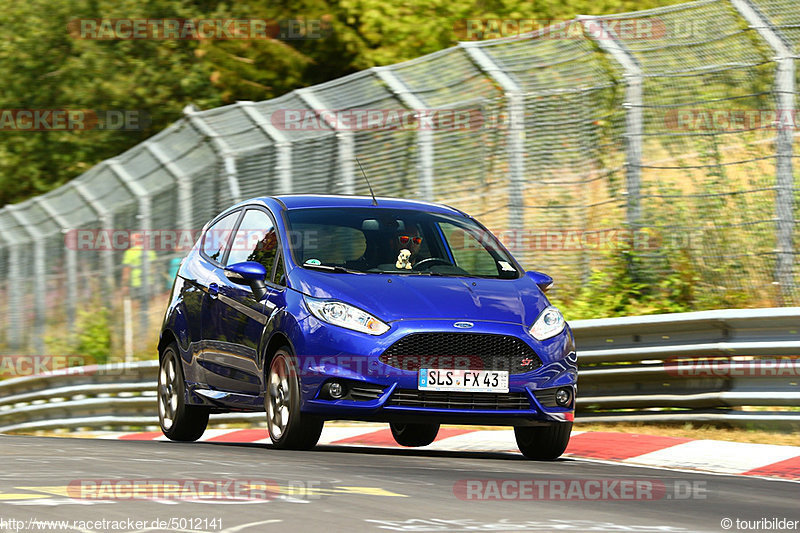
pixel 665 135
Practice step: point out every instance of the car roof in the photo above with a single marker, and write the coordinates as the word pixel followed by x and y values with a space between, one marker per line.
pixel 300 201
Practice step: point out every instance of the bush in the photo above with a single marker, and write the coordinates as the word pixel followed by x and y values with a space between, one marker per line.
pixel 91 340
pixel 93 337
pixel 626 288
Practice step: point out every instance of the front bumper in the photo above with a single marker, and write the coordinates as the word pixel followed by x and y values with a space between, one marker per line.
pixel 355 358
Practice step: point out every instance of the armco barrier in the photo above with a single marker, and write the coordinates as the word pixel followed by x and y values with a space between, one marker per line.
pixel 728 365
pixel 738 365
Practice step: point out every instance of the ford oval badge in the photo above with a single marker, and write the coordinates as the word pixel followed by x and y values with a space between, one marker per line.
pixel 463 325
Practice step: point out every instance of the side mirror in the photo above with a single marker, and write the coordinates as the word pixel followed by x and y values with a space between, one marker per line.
pixel 249 273
pixel 542 280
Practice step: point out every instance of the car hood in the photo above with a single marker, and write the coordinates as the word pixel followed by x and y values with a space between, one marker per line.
pixel 408 297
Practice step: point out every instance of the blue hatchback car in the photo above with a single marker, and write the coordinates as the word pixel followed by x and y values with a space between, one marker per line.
pixel 316 308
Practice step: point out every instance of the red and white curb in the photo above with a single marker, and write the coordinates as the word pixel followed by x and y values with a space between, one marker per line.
pixel 760 460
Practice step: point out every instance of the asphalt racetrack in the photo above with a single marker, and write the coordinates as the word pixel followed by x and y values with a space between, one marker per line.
pixel 86 485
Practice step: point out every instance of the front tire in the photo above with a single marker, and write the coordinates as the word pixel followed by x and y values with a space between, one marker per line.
pixel 289 429
pixel 413 435
pixel 179 421
pixel 544 443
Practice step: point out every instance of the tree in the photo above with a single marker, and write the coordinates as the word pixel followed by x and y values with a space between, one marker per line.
pixel 46 66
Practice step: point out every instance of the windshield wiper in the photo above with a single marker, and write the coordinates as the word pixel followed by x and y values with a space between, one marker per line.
pixel 332 268
pixel 412 273
pixel 446 275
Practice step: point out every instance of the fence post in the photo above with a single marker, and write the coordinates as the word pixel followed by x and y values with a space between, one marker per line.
pixel 106 220
pixel 14 296
pixel 15 318
pixel 221 148
pixel 634 124
pixel 182 180
pixel 71 261
pixel 145 216
pixel 6 282
pixel 424 136
pixel 784 183
pixel 282 144
pixel 515 104
pixel 39 275
pixel 345 137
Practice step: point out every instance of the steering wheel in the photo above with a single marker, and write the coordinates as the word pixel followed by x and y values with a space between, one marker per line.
pixel 431 261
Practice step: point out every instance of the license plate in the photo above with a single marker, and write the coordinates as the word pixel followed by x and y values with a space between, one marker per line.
pixel 444 379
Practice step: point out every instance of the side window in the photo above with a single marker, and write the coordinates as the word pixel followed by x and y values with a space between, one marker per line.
pixel 256 240
pixel 468 251
pixel 216 239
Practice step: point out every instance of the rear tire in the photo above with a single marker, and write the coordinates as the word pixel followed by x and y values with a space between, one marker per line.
pixel 289 429
pixel 543 443
pixel 413 435
pixel 179 421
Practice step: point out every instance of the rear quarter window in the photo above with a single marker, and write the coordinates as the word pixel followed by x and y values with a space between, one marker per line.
pixel 217 237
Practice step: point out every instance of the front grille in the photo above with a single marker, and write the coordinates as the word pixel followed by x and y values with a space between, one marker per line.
pixel 477 401
pixel 465 351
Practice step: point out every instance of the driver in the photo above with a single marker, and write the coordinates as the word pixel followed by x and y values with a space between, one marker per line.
pixel 409 239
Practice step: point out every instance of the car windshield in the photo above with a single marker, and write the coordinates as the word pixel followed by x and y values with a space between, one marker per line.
pixel 395 241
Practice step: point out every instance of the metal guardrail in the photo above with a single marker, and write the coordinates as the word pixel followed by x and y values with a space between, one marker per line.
pixel 91 397
pixel 707 366
pixel 701 366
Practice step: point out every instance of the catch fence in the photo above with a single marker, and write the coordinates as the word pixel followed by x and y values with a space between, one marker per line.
pixel 664 136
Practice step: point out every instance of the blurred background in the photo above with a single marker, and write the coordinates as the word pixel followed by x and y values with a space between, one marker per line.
pixel 645 160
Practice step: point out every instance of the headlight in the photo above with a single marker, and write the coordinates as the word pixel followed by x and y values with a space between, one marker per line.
pixel 345 315
pixel 549 324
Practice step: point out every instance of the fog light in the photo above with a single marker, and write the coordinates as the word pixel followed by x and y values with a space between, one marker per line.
pixel 563 396
pixel 336 390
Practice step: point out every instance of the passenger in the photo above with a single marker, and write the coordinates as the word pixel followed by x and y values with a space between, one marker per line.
pixel 408 239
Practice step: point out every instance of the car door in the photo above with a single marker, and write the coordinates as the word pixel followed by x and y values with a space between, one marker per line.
pixel 275 301
pixel 213 250
pixel 239 318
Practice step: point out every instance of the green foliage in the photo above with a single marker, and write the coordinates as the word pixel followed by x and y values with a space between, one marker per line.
pixel 47 67
pixel 92 338
pixel 94 335
pixel 389 32
pixel 622 289
pixel 629 285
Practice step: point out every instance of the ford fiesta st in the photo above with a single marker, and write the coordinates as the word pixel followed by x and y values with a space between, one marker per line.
pixel 316 308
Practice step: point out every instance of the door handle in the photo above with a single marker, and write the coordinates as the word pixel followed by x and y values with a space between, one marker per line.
pixel 213 290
